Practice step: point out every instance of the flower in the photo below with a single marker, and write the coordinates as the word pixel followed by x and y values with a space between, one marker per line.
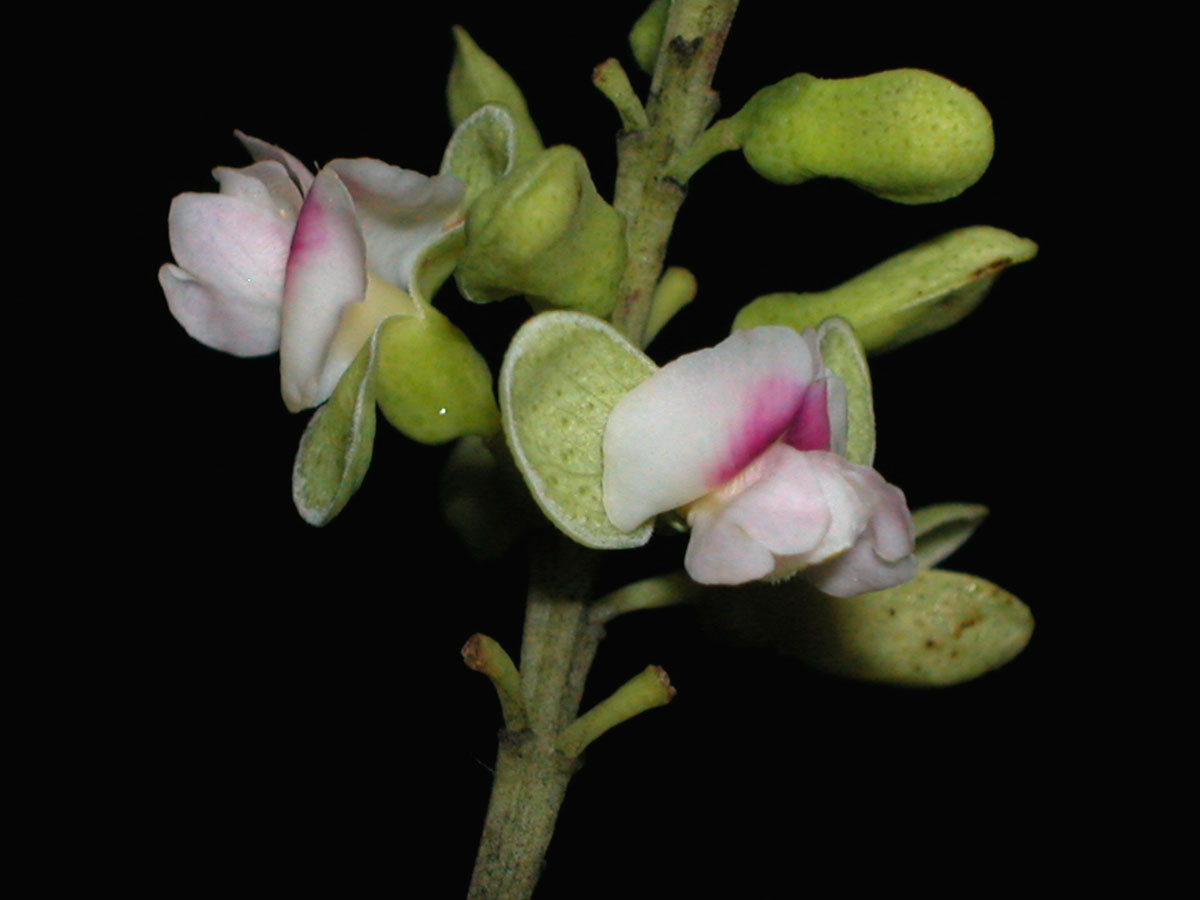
pixel 282 260
pixel 746 440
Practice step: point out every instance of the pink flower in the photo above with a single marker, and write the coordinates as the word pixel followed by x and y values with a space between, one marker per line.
pixel 746 439
pixel 282 260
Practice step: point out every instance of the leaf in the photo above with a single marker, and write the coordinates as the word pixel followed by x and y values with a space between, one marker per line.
pixel 915 293
pixel 562 375
pixel 841 352
pixel 942 529
pixel 335 449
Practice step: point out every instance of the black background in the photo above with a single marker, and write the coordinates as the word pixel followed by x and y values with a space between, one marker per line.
pixel 288 704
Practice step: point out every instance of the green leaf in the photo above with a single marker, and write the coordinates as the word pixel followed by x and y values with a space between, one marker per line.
pixel 562 375
pixel 939 629
pixel 918 292
pixel 335 449
pixel 482 149
pixel 842 353
pixel 942 529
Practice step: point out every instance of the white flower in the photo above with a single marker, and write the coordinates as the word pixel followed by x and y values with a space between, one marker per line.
pixel 745 439
pixel 282 260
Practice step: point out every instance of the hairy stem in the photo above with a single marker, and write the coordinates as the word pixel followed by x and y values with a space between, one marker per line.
pixel 681 105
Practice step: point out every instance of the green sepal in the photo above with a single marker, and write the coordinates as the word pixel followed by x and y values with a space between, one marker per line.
pixel 939 629
pixel 906 135
pixel 430 382
pixel 475 80
pixel 335 449
pixel 562 375
pixel 482 149
pixel 544 231
pixel 646 35
pixel 843 354
pixel 940 530
pixel 915 293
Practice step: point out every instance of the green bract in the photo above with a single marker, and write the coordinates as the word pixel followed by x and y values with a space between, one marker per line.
pixel 482 150
pixel 915 293
pixel 906 134
pixel 842 353
pixel 562 375
pixel 544 231
pixel 335 449
pixel 475 80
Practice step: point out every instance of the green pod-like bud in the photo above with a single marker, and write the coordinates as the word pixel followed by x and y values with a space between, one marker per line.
pixel 476 80
pixel 544 231
pixel 430 382
pixel 915 293
pixel 905 135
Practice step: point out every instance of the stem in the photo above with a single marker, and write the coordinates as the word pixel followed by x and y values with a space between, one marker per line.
pixel 682 103
pixel 531 778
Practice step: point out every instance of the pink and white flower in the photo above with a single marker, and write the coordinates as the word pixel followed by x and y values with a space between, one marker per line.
pixel 746 439
pixel 282 260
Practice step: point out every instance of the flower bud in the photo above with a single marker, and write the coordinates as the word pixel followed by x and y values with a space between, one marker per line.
pixel 915 293
pixel 647 32
pixel 905 135
pixel 430 382
pixel 544 231
pixel 475 80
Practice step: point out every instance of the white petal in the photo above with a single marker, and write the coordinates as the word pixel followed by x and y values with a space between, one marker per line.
pixel 402 212
pixel 721 552
pixel 237 251
pixel 700 420
pixel 326 271
pixel 264 184
pixel 261 150
pixel 244 329
pixel 882 557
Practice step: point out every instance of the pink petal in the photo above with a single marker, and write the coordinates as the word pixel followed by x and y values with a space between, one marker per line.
pixel 261 150
pixel 326 271
pixel 402 212
pixel 231 253
pixel 700 420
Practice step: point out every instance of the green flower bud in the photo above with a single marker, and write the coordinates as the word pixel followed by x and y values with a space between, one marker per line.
pixel 475 80
pixel 544 231
pixel 918 292
pixel 905 135
pixel 647 32
pixel 430 382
